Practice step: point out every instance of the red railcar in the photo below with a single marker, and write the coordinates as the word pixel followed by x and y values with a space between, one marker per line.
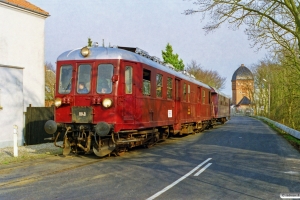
pixel 221 106
pixel 111 99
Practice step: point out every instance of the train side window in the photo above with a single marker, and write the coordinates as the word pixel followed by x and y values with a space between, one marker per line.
pixel 84 79
pixel 104 82
pixel 65 79
pixel 128 80
pixel 169 88
pixel 146 82
pixel 189 91
pixel 203 96
pixel 159 84
pixel 184 91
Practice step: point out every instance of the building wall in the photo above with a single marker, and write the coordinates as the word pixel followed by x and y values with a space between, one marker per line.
pixel 11 104
pixel 22 65
pixel 22 45
pixel 241 88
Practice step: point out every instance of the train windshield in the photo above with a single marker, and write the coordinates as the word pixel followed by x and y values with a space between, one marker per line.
pixel 104 80
pixel 65 79
pixel 84 79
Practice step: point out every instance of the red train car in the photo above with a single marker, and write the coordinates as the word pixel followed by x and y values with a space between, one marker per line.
pixel 111 99
pixel 221 106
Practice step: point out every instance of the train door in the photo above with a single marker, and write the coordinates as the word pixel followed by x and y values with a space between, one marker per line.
pixel 129 103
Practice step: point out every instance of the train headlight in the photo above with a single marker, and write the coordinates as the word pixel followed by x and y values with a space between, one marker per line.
pixel 106 103
pixel 57 102
pixel 85 51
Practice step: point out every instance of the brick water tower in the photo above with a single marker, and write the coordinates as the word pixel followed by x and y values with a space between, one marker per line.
pixel 242 86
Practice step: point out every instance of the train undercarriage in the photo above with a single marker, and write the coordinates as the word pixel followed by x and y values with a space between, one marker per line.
pixel 102 140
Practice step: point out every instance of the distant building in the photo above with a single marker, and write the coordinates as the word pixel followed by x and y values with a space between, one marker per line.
pixel 22 74
pixel 242 89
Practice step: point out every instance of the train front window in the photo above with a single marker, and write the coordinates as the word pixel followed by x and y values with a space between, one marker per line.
pixel 104 80
pixel 65 79
pixel 84 79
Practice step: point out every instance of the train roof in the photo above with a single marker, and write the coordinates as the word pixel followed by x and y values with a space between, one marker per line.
pixel 220 93
pixel 130 54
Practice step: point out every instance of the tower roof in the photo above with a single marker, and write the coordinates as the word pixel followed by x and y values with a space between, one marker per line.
pixel 244 101
pixel 242 73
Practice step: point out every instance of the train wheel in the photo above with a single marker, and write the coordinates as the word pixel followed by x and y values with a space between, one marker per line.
pixel 107 146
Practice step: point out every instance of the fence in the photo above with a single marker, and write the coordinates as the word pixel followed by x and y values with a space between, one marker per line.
pixel 35 120
pixel 286 129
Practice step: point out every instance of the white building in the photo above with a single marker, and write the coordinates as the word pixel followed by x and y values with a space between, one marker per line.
pixel 22 75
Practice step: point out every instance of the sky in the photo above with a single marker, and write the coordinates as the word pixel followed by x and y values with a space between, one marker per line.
pixel 149 25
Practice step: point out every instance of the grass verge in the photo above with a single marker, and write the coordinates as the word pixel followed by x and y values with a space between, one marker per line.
pixel 7 157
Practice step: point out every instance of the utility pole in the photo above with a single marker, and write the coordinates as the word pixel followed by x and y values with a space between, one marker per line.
pixel 269 101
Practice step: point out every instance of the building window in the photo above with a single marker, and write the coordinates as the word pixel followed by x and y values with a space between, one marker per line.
pixel 159 83
pixel 146 82
pixel 169 88
pixel 203 97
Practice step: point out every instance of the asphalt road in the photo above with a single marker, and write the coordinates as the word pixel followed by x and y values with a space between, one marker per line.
pixel 243 159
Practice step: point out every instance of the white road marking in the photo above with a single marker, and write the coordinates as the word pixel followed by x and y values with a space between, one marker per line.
pixel 174 183
pixel 202 170
pixel 292 172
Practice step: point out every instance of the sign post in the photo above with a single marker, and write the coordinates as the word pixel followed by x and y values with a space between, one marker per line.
pixel 15 141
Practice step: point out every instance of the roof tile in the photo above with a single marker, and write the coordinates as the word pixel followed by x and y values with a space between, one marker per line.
pixel 26 5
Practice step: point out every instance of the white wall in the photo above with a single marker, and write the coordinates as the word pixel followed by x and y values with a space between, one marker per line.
pixel 11 102
pixel 22 48
pixel 22 45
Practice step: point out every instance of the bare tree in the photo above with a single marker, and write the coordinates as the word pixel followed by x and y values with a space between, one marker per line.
pixel 49 66
pixel 277 79
pixel 49 83
pixel 271 23
pixel 208 77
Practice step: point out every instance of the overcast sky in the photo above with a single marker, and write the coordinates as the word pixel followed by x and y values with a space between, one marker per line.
pixel 149 25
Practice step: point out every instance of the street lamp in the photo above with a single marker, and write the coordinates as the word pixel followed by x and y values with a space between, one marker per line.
pixel 269 97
